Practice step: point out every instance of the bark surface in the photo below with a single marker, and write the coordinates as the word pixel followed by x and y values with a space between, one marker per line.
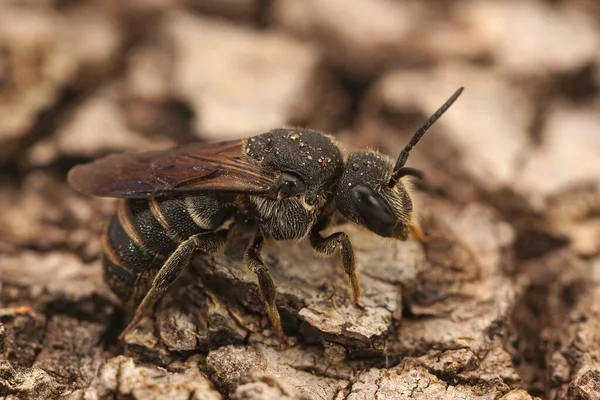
pixel 500 302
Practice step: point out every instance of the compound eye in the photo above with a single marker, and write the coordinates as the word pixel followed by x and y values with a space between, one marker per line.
pixel 290 185
pixel 375 212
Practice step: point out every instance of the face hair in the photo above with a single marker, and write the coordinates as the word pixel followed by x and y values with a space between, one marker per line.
pixel 399 171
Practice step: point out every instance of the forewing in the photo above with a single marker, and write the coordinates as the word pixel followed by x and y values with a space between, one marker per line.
pixel 196 167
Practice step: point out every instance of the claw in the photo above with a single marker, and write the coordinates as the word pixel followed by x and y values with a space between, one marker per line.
pixel 134 322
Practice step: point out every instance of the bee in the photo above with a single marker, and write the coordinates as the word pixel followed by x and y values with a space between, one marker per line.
pixel 288 183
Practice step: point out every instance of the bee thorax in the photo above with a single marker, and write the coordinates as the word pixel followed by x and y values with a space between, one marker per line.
pixel 284 219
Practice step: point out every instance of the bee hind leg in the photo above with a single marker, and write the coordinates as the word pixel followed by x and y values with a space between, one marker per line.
pixel 177 262
pixel 266 287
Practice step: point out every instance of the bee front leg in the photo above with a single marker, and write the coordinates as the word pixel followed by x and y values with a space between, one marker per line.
pixel 266 287
pixel 177 262
pixel 327 246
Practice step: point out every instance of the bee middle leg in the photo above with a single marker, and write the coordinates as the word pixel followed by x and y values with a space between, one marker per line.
pixel 328 245
pixel 253 260
pixel 177 262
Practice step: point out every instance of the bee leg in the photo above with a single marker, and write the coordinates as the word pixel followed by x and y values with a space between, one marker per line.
pixel 328 245
pixel 178 261
pixel 266 287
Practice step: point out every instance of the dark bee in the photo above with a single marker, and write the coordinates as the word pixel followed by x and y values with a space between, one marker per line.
pixel 288 182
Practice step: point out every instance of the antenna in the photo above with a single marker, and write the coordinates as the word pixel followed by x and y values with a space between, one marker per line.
pixel 399 171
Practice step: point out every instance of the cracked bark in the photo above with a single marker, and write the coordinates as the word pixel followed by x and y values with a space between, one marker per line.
pixel 434 321
pixel 500 303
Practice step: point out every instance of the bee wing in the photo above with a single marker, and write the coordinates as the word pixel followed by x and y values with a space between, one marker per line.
pixel 196 167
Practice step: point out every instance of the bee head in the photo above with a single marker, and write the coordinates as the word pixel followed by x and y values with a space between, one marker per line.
pixel 370 192
pixel 365 198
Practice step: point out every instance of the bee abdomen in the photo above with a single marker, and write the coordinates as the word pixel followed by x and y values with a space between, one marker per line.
pixel 143 233
pixel 119 278
pixel 126 254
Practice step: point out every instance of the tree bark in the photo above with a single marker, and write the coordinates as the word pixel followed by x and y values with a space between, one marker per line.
pixel 500 302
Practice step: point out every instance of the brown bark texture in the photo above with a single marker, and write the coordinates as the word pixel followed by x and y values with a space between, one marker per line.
pixel 501 302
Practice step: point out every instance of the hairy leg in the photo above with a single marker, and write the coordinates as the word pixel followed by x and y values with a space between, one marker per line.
pixel 253 260
pixel 177 262
pixel 328 245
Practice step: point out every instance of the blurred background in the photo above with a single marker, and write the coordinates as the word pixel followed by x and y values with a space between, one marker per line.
pixel 81 79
